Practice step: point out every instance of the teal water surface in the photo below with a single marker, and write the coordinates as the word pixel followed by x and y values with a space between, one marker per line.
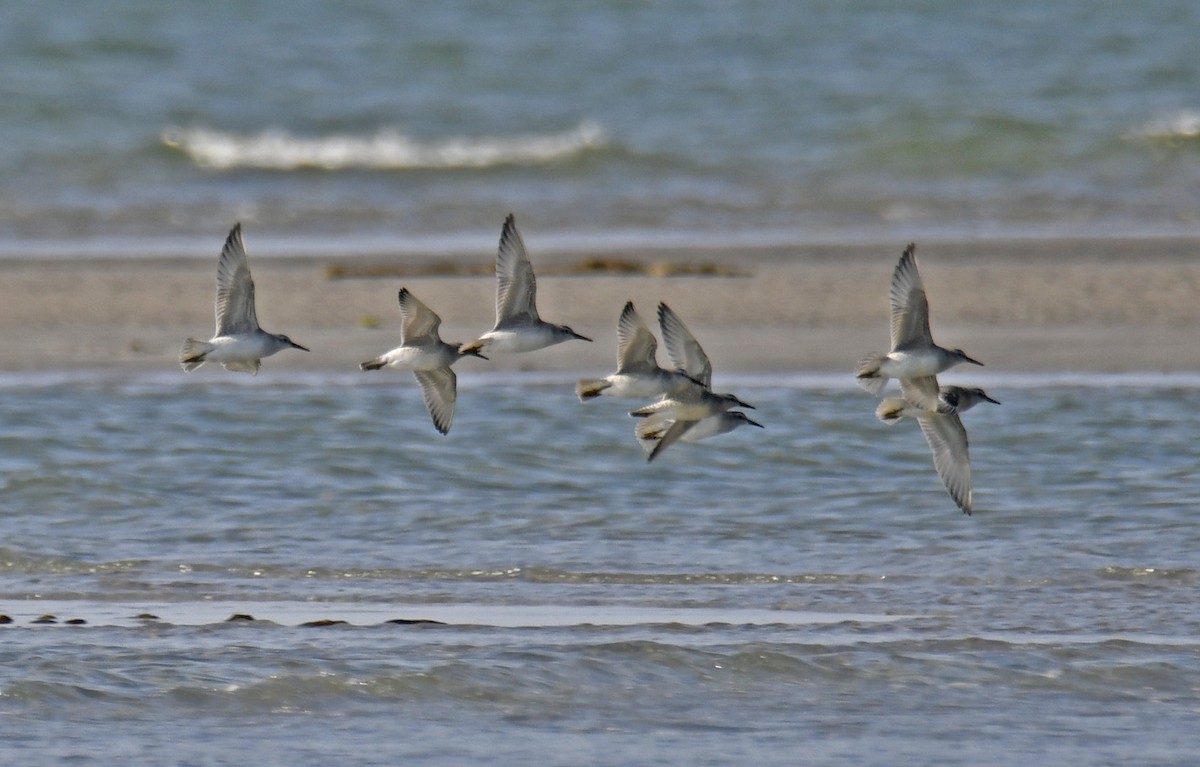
pixel 140 125
pixel 804 591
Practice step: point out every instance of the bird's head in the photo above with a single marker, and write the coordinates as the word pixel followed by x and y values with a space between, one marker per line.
pixel 742 418
pixel 290 343
pixel 960 398
pixel 961 356
pixel 572 333
pixel 735 402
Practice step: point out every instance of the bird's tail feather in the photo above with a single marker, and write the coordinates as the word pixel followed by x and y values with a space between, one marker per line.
pixel 590 388
pixel 192 355
pixel 650 431
pixel 890 410
pixel 868 373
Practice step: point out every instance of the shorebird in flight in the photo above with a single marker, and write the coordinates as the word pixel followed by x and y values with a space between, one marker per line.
pixel 651 430
pixel 423 352
pixel 239 344
pixel 638 374
pixel 943 429
pixel 688 405
pixel 913 353
pixel 518 327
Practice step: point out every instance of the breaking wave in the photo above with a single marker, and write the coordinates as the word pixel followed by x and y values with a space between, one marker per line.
pixel 385 150
pixel 1182 124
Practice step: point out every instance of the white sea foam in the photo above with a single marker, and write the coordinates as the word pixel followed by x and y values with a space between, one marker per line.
pixel 1181 124
pixel 277 149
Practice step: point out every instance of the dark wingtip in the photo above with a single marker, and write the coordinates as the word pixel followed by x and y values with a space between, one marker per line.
pixel 234 237
pixel 509 230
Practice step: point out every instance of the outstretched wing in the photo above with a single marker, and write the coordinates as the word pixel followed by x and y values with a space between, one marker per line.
pixel 683 349
pixel 672 435
pixel 439 389
pixel 516 288
pixel 910 308
pixel 235 289
pixel 418 323
pixel 947 440
pixel 636 346
pixel 923 393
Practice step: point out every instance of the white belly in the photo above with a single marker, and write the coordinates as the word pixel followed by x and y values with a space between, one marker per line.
pixel 245 348
pixel 517 341
pixel 419 358
pixel 636 386
pixel 911 364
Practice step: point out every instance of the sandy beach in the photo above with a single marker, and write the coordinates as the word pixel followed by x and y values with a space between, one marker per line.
pixel 1105 305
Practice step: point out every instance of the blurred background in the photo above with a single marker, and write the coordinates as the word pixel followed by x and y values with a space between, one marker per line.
pixel 149 127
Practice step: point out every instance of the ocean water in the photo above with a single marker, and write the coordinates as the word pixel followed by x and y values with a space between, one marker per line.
pixel 807 593
pixel 148 127
pixel 804 594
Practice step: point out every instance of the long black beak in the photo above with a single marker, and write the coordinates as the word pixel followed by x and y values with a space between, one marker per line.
pixel 993 401
pixel 755 423
pixel 743 404
pixel 298 346
pixel 581 338
pixel 971 360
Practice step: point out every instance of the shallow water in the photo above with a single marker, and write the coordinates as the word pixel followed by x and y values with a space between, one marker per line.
pixel 806 592
pixel 141 126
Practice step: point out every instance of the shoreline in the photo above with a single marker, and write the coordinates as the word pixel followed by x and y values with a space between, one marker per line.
pixel 1021 306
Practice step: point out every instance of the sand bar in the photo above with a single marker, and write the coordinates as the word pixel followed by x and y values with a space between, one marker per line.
pixel 1070 305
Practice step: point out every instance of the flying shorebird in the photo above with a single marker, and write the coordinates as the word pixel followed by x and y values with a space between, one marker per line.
pixel 692 402
pixel 650 431
pixel 239 343
pixel 422 351
pixel 638 373
pixel 913 353
pixel 943 429
pixel 518 327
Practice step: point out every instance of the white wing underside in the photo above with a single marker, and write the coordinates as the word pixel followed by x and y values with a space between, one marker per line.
pixel 683 349
pixel 235 289
pixel 922 393
pixel 439 389
pixel 637 348
pixel 419 324
pixel 910 308
pixel 516 287
pixel 947 440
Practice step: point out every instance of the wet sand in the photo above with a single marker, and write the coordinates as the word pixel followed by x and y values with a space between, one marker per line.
pixel 1107 305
